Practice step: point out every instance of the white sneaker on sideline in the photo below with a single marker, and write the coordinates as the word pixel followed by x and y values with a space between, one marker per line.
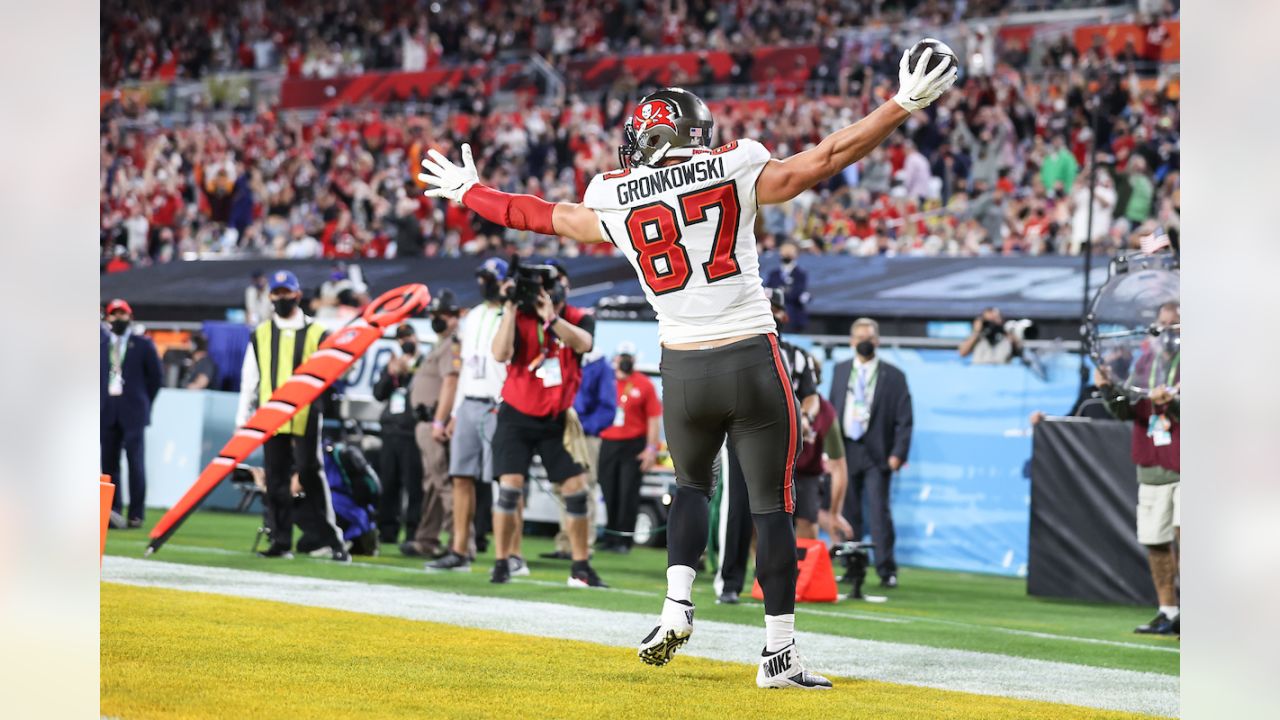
pixel 517 566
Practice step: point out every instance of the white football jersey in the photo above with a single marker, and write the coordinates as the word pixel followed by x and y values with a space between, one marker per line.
pixel 689 231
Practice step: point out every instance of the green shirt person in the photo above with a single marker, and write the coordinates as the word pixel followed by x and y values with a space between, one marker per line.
pixel 1060 167
pixel 1141 191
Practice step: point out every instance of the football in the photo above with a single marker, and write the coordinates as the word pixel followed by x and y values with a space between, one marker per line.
pixel 940 50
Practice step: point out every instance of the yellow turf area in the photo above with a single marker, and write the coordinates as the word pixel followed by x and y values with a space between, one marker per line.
pixel 174 654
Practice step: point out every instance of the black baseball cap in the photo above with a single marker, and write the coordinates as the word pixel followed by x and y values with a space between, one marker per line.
pixel 443 303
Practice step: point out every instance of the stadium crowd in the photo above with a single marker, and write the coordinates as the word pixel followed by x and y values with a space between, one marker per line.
pixel 326 38
pixel 1000 166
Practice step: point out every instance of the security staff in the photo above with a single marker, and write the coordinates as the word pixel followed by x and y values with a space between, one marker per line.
pixel 130 379
pixel 276 347
pixel 401 466
pixel 432 393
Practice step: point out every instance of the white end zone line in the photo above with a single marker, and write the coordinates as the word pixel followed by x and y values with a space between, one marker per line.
pixel 800 610
pixel 959 670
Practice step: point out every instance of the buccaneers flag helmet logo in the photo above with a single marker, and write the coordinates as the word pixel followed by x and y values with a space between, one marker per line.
pixel 653 114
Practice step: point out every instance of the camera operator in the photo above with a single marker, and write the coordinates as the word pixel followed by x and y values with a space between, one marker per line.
pixel 401 466
pixel 1155 449
pixel 989 343
pixel 542 340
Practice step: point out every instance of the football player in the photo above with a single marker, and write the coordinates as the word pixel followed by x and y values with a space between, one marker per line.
pixel 683 213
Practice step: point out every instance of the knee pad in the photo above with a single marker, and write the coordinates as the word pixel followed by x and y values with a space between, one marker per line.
pixel 575 505
pixel 508 499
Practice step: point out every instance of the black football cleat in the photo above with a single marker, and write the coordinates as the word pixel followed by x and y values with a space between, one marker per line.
pixel 276 552
pixel 501 573
pixel 1160 625
pixel 585 578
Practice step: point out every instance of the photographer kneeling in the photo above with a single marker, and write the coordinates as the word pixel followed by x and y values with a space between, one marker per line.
pixel 542 338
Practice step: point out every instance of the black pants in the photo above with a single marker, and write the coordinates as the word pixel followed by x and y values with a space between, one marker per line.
pixel 620 479
pixel 482 521
pixel 401 474
pixel 870 486
pixel 282 456
pixel 116 439
pixel 734 530
pixel 742 391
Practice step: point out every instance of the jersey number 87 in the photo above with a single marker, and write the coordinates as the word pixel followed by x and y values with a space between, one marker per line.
pixel 655 235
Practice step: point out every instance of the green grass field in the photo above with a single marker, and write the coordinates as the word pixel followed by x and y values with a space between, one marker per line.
pixel 932 608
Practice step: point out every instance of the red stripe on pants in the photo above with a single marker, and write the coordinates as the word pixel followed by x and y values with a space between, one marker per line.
pixel 788 499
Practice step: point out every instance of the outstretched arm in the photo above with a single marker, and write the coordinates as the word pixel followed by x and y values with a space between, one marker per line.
pixel 461 184
pixel 782 180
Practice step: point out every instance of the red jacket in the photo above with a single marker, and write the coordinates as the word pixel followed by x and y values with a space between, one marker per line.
pixel 523 389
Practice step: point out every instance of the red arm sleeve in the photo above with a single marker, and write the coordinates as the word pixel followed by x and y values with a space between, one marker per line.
pixel 518 212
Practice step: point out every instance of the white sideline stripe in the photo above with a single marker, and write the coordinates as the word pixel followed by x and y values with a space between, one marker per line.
pixel 959 670
pixel 801 610
pixel 977 626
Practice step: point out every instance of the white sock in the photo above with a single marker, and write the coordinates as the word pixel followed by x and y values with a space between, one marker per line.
pixel 680 582
pixel 779 630
pixel 1170 611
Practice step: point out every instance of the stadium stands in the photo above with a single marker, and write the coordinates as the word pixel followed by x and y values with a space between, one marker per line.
pixel 999 167
pixel 327 38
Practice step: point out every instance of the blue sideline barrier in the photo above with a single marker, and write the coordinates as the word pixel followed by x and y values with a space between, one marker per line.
pixel 961 503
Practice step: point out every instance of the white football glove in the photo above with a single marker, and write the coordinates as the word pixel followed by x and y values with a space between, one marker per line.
pixel 446 180
pixel 919 89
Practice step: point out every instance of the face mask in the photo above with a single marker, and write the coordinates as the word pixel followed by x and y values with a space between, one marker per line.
pixel 119 327
pixel 489 288
pixel 778 323
pixel 557 295
pixel 626 365
pixel 788 261
pixel 866 349
pixel 285 306
pixel 409 348
pixel 439 324
pixel 1171 341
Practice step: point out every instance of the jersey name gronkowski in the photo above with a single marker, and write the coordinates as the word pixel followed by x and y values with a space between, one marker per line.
pixel 689 231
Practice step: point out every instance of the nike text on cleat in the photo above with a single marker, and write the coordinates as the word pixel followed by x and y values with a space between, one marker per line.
pixel 786 669
pixel 675 625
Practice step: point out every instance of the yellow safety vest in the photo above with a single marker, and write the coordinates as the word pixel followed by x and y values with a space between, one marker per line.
pixel 270 345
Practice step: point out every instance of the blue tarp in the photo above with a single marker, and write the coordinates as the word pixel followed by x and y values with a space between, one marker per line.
pixel 963 501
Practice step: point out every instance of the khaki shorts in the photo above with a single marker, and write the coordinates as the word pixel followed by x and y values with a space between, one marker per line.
pixel 1158 513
